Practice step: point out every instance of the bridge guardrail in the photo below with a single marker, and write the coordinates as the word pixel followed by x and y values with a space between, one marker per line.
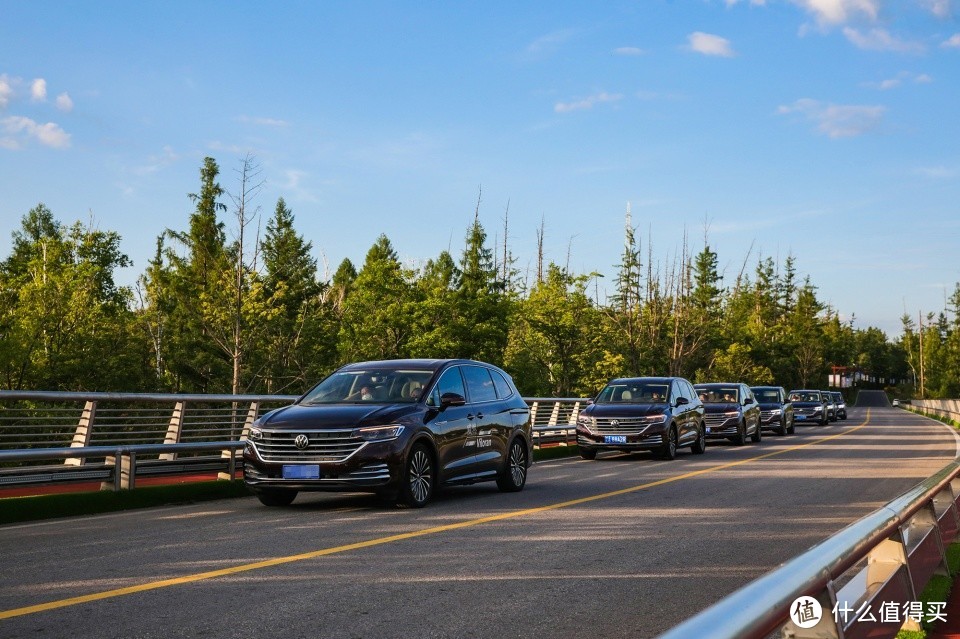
pixel 885 557
pixel 945 408
pixel 161 433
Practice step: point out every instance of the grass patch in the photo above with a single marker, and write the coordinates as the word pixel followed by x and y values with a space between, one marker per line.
pixel 18 509
pixel 938 589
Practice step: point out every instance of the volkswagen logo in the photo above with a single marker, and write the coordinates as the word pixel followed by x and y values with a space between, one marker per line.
pixel 301 442
pixel 614 423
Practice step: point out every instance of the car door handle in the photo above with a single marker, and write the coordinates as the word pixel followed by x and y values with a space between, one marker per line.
pixel 470 416
pixel 479 415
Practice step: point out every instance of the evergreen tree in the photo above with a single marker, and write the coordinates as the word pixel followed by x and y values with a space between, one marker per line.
pixel 376 312
pixel 196 363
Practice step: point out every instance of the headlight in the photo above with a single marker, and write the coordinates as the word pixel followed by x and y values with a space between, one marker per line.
pixel 732 413
pixel 378 433
pixel 776 411
pixel 655 419
pixel 818 409
pixel 255 433
pixel 586 422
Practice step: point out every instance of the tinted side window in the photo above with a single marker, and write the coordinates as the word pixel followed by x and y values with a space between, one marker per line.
pixel 689 393
pixel 449 382
pixel 480 384
pixel 503 386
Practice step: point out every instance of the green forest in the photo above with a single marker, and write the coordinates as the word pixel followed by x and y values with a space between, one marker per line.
pixel 252 314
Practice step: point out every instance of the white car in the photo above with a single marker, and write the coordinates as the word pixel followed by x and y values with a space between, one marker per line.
pixel 896 403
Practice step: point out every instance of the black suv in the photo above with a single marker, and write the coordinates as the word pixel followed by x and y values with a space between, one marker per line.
pixel 643 413
pixel 732 412
pixel 840 403
pixel 809 406
pixel 398 428
pixel 831 405
pixel 776 409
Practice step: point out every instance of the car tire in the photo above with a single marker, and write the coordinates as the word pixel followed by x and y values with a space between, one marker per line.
pixel 757 435
pixel 419 478
pixel 588 453
pixel 276 497
pixel 793 426
pixel 668 449
pixel 699 445
pixel 741 438
pixel 782 429
pixel 513 477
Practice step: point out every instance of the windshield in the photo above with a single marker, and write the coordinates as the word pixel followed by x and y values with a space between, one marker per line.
pixel 381 385
pixel 722 395
pixel 809 396
pixel 769 395
pixel 634 393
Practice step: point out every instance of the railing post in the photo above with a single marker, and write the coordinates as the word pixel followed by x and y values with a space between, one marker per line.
pixel 571 438
pixel 128 469
pixel 174 428
pixel 81 437
pixel 252 414
pixel 555 413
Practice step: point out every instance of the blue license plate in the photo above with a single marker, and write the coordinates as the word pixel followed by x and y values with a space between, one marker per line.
pixel 799 418
pixel 301 471
pixel 615 439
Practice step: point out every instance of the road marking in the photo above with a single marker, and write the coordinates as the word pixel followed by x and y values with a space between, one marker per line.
pixel 278 561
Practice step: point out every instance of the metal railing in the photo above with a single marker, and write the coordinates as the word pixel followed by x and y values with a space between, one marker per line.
pixel 91 435
pixel 945 408
pixel 888 556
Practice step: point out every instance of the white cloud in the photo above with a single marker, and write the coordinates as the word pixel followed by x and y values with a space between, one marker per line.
pixel 64 103
pixel 6 91
pixel 899 79
pixel 952 43
pixel 939 172
pixel 709 44
pixel 631 51
pixel 837 120
pixel 835 12
pixel 586 103
pixel 18 127
pixel 880 40
pixel 262 121
pixel 939 8
pixel 38 90
pixel 757 3
pixel 546 45
pixel 156 163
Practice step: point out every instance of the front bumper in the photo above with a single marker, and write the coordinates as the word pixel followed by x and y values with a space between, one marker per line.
pixel 375 466
pixel 721 427
pixel 651 437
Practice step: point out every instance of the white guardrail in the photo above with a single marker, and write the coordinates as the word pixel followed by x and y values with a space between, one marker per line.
pixel 864 581
pixel 114 437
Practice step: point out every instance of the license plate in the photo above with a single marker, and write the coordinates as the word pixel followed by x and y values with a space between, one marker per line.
pixel 301 471
pixel 799 418
pixel 615 439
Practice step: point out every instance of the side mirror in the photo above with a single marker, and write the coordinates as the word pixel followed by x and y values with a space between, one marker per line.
pixel 682 401
pixel 451 399
pixel 748 401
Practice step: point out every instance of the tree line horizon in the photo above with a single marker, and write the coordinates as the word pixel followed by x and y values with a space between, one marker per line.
pixel 254 315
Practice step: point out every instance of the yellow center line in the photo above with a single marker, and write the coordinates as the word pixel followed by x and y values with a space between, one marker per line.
pixel 277 561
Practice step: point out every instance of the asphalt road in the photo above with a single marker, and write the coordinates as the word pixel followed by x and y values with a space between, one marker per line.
pixel 624 546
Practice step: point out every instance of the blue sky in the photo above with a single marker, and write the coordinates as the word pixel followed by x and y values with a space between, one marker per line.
pixel 823 128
